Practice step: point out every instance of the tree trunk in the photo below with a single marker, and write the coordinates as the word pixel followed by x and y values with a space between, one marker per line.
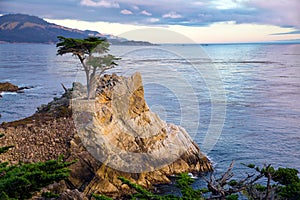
pixel 87 74
pixel 88 84
pixel 268 186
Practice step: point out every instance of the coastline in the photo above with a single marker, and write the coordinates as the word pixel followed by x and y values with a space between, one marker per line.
pixel 51 132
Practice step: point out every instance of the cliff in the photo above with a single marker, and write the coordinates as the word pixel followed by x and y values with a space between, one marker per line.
pixel 116 134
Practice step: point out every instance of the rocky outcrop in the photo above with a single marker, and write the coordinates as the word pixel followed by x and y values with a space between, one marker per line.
pixel 9 87
pixel 114 135
pixel 120 131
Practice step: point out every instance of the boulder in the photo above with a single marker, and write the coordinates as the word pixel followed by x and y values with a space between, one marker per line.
pixel 8 87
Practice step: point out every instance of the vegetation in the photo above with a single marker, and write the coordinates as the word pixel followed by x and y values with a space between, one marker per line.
pixel 183 182
pixel 92 54
pixel 6 148
pixel 101 197
pixel 282 184
pixel 20 181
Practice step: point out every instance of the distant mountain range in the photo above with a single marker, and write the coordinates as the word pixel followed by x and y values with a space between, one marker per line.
pixel 20 28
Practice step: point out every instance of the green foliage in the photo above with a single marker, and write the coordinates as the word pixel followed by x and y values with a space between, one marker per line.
pixel 6 148
pixel 232 197
pixel 141 192
pixel 92 53
pixel 79 46
pixel 288 183
pixel 288 188
pixel 286 176
pixel 251 166
pixel 20 181
pixel 232 183
pixel 49 195
pixel 183 182
pixel 291 191
pixel 4 196
pixel 101 197
pixel 260 187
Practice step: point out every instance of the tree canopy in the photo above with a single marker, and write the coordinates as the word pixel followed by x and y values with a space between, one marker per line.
pixel 93 56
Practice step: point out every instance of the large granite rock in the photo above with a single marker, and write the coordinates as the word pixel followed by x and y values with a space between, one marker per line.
pixel 113 135
pixel 119 130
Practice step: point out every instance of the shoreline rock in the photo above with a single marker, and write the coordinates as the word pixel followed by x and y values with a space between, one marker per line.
pixel 124 121
pixel 9 87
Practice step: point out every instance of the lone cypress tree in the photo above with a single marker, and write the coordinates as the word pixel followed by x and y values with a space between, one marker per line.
pixel 87 50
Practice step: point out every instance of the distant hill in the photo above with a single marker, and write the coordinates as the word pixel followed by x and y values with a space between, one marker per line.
pixel 20 28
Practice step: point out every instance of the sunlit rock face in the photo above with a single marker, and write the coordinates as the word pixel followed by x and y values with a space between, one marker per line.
pixel 121 132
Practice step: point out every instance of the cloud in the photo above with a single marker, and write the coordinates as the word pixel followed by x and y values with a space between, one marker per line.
pixel 135 7
pixel 172 15
pixel 228 4
pixel 281 13
pixel 144 12
pixel 153 20
pixel 194 13
pixel 126 12
pixel 287 33
pixel 101 3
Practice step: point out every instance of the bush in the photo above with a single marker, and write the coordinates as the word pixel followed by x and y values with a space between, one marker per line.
pixel 20 181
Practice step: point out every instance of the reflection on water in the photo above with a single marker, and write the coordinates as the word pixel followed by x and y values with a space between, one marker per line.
pixel 262 85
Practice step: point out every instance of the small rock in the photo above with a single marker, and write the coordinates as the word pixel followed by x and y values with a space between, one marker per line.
pixel 72 195
pixel 8 87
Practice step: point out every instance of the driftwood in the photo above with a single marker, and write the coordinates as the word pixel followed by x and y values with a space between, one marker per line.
pixel 64 87
pixel 220 188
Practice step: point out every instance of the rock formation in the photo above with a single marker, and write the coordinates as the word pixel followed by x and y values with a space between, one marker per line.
pixel 9 87
pixel 113 135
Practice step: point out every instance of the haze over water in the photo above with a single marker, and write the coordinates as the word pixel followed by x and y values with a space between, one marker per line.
pixel 262 87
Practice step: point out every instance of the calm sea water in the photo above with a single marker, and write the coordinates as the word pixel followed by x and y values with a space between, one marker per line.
pixel 239 102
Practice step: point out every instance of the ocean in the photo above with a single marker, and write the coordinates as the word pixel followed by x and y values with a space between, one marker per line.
pixel 238 101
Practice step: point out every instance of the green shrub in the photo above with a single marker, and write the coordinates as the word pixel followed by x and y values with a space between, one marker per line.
pixel 20 181
pixel 101 197
pixel 232 197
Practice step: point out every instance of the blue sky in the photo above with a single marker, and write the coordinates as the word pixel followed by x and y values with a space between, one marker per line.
pixel 200 20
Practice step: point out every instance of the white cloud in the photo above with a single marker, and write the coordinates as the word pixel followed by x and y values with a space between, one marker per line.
pixel 101 3
pixel 126 12
pixel 228 4
pixel 172 15
pixel 278 12
pixel 215 33
pixel 153 20
pixel 135 7
pixel 144 12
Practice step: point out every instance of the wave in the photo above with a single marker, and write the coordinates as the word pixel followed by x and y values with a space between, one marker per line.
pixel 8 93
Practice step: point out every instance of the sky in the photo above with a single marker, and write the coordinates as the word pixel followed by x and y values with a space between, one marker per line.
pixel 200 21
